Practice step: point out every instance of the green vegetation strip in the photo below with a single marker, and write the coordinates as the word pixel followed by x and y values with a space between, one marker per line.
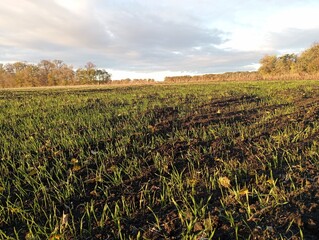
pixel 201 161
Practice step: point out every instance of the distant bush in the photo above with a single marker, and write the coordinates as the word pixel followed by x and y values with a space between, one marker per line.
pixel 229 76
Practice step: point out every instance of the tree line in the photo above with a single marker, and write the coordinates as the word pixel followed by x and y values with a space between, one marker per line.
pixel 56 72
pixel 228 76
pixel 286 67
pixel 134 81
pixel 50 73
pixel 305 65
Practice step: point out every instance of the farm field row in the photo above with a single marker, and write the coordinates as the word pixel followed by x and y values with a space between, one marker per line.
pixel 200 161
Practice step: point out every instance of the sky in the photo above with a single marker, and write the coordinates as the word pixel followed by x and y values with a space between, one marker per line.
pixel 156 38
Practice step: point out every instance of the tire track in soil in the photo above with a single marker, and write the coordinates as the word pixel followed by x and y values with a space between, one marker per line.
pixel 241 149
pixel 302 115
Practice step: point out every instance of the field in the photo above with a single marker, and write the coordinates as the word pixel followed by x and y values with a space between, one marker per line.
pixel 201 161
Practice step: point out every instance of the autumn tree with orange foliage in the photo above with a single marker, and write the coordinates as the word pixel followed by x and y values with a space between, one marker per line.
pixel 292 66
pixel 50 73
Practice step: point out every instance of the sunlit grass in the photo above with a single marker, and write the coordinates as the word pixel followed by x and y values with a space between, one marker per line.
pixel 156 162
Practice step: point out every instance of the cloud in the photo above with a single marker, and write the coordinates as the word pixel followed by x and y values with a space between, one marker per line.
pixel 293 39
pixel 145 38
pixel 28 23
pixel 199 36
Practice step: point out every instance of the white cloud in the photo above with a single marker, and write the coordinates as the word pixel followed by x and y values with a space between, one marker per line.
pixel 305 17
pixel 77 6
pixel 256 24
pixel 30 23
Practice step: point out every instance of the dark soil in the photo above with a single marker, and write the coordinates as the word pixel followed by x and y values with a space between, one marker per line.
pixel 300 210
pixel 297 183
